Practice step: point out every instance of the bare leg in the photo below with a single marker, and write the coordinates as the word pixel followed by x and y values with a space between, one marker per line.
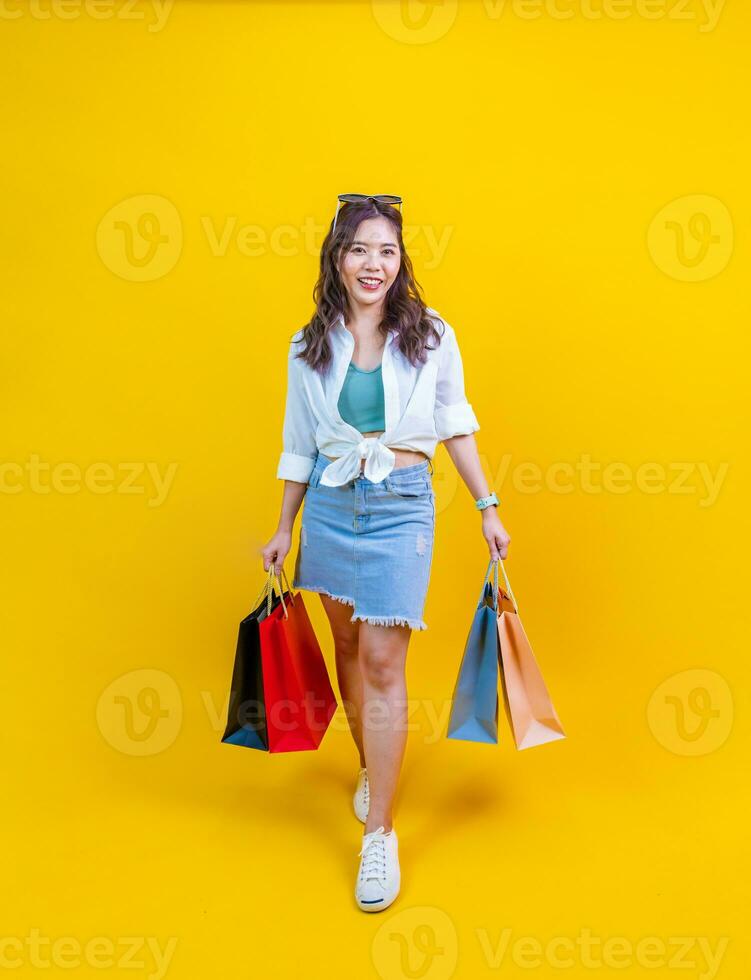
pixel 383 656
pixel 348 674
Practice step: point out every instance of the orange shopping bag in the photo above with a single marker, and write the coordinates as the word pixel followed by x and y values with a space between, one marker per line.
pixel 528 707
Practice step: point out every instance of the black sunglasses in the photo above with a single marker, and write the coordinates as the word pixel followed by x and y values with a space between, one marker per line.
pixel 357 198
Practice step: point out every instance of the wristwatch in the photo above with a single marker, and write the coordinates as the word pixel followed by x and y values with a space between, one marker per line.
pixel 484 502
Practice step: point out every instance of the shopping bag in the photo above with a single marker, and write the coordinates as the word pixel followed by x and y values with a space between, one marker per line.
pixel 281 699
pixel 299 698
pixel 474 707
pixel 526 700
pixel 246 722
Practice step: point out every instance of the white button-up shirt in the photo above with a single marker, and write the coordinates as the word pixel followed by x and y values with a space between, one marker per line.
pixel 424 405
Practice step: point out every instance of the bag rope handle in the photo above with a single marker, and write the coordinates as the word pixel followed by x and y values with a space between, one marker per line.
pixel 268 589
pixel 495 586
pixel 494 563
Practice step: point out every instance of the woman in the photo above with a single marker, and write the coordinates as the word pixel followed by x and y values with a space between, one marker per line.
pixel 375 381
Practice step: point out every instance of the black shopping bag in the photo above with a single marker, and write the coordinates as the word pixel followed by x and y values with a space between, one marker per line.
pixel 246 714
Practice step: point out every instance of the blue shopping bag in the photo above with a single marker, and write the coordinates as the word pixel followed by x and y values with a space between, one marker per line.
pixel 474 708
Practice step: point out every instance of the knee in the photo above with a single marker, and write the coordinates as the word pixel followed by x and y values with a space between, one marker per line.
pixel 345 640
pixel 380 667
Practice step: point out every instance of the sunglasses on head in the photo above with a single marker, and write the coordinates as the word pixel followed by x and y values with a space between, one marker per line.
pixel 357 198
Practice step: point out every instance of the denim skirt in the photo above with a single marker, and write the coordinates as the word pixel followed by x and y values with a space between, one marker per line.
pixel 370 545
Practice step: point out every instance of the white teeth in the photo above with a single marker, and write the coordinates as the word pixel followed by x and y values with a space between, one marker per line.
pixel 371 282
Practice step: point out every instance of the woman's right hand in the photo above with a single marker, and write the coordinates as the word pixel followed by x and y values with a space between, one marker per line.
pixel 277 550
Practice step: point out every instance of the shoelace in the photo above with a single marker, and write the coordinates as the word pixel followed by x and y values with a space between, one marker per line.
pixel 374 855
pixel 365 787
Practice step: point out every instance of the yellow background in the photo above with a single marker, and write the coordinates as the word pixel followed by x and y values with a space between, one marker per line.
pixel 544 150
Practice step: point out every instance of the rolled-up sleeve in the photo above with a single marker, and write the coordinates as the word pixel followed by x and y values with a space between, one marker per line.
pixel 453 414
pixel 299 431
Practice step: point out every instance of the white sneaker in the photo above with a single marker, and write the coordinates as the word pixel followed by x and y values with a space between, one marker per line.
pixel 361 799
pixel 379 878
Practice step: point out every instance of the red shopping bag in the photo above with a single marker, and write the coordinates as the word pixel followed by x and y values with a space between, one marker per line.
pixel 300 701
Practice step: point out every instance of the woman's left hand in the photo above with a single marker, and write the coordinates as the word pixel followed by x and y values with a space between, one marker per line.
pixel 495 533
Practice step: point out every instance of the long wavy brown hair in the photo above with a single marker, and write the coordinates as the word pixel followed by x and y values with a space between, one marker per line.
pixel 404 308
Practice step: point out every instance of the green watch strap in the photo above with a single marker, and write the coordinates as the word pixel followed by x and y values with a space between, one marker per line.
pixel 484 502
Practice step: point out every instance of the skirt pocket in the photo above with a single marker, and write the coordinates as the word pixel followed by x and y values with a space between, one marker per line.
pixel 420 487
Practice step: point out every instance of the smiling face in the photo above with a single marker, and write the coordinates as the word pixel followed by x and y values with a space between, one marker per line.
pixel 371 264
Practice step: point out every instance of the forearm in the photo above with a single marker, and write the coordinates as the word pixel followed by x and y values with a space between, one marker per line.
pixel 463 452
pixel 464 455
pixel 292 498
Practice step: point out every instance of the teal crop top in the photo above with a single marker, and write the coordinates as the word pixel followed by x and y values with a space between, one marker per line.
pixel 361 401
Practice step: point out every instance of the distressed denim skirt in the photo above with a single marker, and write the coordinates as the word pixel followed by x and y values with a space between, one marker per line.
pixel 370 545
